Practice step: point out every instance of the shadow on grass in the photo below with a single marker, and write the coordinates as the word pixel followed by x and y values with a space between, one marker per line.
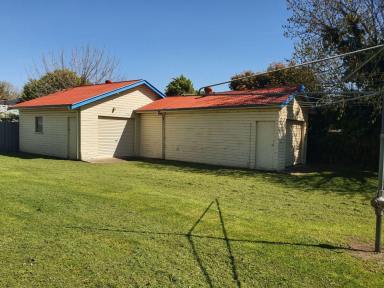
pixel 27 156
pixel 190 238
pixel 335 180
pixel 327 179
pixel 199 261
pixel 235 275
pixel 200 218
pixel 254 241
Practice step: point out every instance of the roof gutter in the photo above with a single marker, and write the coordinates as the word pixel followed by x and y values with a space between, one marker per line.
pixel 216 108
pixel 41 107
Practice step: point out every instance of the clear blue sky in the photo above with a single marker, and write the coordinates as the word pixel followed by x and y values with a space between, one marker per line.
pixel 208 41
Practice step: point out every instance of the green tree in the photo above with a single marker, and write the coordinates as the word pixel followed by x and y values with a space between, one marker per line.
pixel 179 86
pixel 290 77
pixel 7 91
pixel 50 83
pixel 324 28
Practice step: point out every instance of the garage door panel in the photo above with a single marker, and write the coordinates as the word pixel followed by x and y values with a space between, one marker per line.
pixel 115 137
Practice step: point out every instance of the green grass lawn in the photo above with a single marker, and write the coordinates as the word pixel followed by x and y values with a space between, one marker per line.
pixel 74 224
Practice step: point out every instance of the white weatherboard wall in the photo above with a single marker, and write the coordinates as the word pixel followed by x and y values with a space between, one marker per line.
pixel 228 137
pixel 150 143
pixel 294 130
pixel 294 143
pixel 118 106
pixel 53 141
pixel 219 137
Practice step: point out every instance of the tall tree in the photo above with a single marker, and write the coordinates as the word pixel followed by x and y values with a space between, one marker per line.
pixel 179 86
pixel 8 91
pixel 93 65
pixel 291 77
pixel 50 83
pixel 322 28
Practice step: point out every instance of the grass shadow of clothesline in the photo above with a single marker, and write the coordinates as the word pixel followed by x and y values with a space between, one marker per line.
pixel 190 238
pixel 235 275
pixel 254 241
pixel 196 255
pixel 232 261
pixel 328 179
pixel 199 261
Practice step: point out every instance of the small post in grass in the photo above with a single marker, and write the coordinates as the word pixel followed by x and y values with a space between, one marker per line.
pixel 378 201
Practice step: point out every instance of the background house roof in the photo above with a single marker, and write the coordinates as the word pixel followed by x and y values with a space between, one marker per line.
pixel 260 97
pixel 79 96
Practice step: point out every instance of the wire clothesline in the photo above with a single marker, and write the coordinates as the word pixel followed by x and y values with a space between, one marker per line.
pixel 301 65
pixel 338 101
pixel 332 98
pixel 271 94
pixel 312 104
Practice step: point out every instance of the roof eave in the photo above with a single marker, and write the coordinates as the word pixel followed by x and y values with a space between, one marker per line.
pixel 286 102
pixel 116 91
pixel 42 106
pixel 267 106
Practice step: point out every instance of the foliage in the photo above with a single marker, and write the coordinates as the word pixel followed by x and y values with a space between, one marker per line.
pixel 9 116
pixel 344 138
pixel 179 86
pixel 75 224
pixel 292 77
pixel 323 28
pixel 51 82
pixel 7 91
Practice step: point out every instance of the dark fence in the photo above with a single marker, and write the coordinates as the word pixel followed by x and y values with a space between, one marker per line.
pixel 9 137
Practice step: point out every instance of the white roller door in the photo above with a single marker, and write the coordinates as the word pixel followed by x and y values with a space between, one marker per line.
pixel 116 137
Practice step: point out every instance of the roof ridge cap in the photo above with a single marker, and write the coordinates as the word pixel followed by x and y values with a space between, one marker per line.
pixel 97 84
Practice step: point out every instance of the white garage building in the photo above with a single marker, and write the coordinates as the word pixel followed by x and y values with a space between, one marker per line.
pixel 260 129
pixel 87 122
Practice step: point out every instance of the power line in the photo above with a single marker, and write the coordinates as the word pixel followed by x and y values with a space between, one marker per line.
pixel 362 65
pixel 272 94
pixel 305 104
pixel 295 66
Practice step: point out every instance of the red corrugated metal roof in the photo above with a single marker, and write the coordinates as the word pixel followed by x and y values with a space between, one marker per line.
pixel 74 95
pixel 260 97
